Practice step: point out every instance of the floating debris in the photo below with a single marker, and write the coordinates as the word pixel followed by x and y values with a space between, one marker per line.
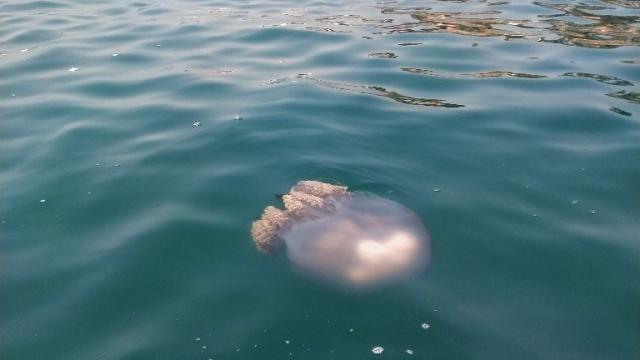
pixel 287 342
pixel 114 55
pixel 42 201
pixel 74 69
pixel 425 326
pixel 575 202
pixel 409 352
pixel 593 212
pixel 24 50
pixel 196 124
pixel 237 118
pixel 377 350
pixel 437 190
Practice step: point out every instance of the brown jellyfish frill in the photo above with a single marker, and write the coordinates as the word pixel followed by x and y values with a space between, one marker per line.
pixel 301 202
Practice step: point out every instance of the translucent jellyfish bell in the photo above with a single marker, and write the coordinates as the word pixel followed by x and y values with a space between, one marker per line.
pixel 351 240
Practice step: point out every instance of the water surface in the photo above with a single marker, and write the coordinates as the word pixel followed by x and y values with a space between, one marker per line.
pixel 139 140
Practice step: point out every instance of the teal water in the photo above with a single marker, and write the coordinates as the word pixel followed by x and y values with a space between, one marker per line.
pixel 139 140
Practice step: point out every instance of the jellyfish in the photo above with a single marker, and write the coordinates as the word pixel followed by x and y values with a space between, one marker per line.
pixel 351 240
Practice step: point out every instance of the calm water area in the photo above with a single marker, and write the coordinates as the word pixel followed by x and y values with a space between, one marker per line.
pixel 140 139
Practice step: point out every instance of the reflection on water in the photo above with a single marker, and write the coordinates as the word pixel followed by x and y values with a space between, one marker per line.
pixel 367 90
pixel 383 55
pixel 626 3
pixel 610 80
pixel 604 31
pixel 594 30
pixel 487 74
pixel 626 95
pixel 619 111
pixel 469 23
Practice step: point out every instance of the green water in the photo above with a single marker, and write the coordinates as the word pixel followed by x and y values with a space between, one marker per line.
pixel 139 140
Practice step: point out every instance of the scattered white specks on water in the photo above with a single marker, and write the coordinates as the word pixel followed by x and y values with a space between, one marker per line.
pixel 575 202
pixel 593 212
pixel 24 50
pixel 425 326
pixel 42 201
pixel 74 69
pixel 377 350
pixel 196 124
pixel 409 351
pixel 237 118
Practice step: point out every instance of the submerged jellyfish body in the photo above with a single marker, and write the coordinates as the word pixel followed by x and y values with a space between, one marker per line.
pixel 351 240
